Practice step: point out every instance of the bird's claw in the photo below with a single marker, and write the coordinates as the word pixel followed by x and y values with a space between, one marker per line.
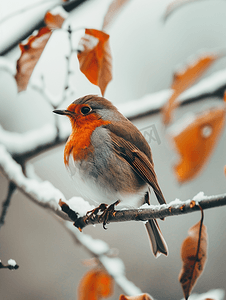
pixel 91 214
pixel 107 211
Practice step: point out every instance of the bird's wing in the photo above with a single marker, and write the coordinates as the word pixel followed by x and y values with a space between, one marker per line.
pixel 139 162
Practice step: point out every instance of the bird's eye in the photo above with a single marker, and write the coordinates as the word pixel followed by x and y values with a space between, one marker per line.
pixel 85 110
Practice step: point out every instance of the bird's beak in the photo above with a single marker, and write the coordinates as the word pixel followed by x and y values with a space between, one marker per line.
pixel 64 112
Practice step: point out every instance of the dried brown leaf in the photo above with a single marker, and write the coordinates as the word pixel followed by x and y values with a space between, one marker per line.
pixel 193 255
pixel 30 54
pixel 95 60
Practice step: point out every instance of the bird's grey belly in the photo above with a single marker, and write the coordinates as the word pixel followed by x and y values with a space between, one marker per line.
pixel 104 177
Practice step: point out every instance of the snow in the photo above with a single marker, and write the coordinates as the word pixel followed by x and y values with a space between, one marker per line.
pixel 200 196
pixel 217 294
pixel 12 262
pixel 43 193
pixel 176 203
pixel 144 104
pixel 115 267
pixel 206 85
pixel 97 247
pixel 79 205
pixel 17 143
pixel 157 100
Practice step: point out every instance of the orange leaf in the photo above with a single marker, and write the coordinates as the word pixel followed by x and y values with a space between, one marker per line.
pixel 193 255
pixel 53 21
pixel 138 297
pixel 196 142
pixel 30 54
pixel 113 10
pixel 184 79
pixel 96 284
pixel 95 60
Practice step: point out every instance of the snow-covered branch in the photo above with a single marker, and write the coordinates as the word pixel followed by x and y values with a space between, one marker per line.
pixel 146 212
pixel 42 193
pixel 23 146
pixel 213 86
pixel 101 251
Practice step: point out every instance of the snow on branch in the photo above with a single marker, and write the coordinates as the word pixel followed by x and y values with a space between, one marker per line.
pixel 42 193
pixel 32 143
pixel 101 251
pixel 146 212
pixel 212 86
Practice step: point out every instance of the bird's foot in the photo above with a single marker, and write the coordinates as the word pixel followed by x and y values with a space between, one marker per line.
pixel 109 211
pixel 106 210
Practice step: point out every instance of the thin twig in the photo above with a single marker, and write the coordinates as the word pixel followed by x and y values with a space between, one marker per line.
pixel 12 265
pixel 6 203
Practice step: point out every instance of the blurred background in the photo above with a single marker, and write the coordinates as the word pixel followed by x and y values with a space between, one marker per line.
pixel 145 51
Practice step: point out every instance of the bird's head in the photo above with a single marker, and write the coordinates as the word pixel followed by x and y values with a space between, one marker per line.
pixel 89 109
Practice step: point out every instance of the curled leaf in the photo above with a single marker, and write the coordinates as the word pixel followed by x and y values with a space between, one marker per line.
pixel 196 141
pixel 96 284
pixel 193 255
pixel 95 60
pixel 138 297
pixel 184 79
pixel 113 10
pixel 30 54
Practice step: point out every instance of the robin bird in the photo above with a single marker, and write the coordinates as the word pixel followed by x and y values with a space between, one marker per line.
pixel 110 161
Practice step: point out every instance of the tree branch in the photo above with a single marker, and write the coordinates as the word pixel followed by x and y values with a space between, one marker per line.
pixel 42 193
pixel 6 203
pixel 68 6
pixel 174 208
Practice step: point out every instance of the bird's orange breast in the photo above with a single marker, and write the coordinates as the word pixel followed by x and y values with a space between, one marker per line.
pixel 79 142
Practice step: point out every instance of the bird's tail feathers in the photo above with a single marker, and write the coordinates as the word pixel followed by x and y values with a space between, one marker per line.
pixel 158 244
